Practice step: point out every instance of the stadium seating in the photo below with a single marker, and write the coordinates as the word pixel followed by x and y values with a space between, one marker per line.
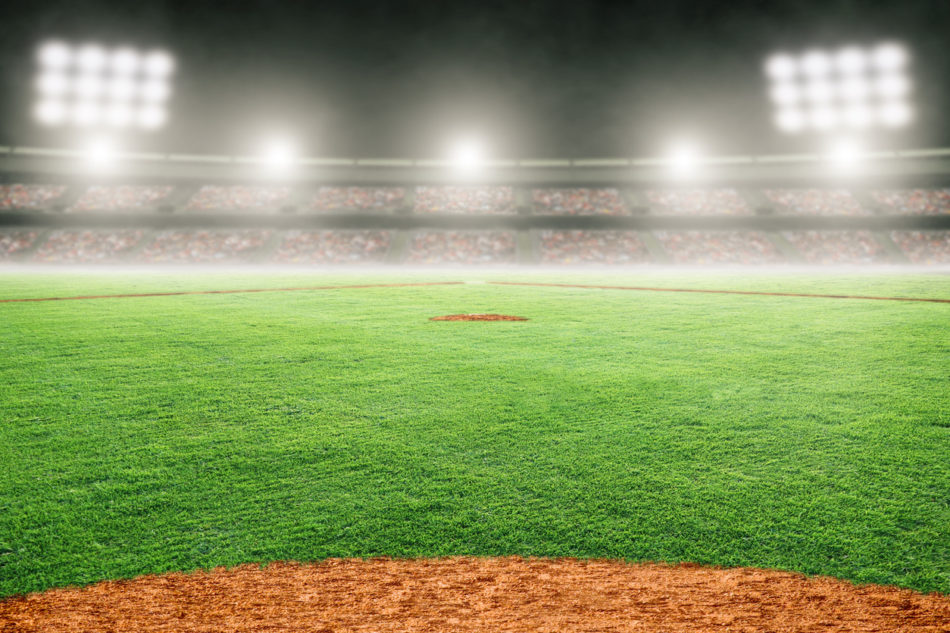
pixel 13 242
pixel 214 198
pixel 924 247
pixel 578 202
pixel 203 246
pixel 120 198
pixel 719 247
pixel 458 200
pixel 697 202
pixel 17 196
pixel 837 247
pixel 914 201
pixel 328 199
pixel 332 247
pixel 592 247
pixel 815 202
pixel 87 246
pixel 462 247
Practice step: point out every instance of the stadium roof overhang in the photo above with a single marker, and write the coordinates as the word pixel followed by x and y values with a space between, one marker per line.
pixel 929 166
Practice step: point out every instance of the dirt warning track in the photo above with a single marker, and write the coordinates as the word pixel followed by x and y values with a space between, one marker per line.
pixel 477 594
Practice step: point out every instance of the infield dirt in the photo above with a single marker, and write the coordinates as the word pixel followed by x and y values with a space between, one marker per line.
pixel 477 594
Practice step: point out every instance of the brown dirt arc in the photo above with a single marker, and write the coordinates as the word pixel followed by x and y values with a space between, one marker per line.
pixel 478 317
pixel 477 594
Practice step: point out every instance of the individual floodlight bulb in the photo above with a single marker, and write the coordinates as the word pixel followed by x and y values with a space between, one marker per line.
pixel 785 94
pixel 55 56
pixel 119 115
pixel 892 86
pixel 889 57
pixel 151 117
pixel 121 89
pixel 851 61
pixel 816 64
pixel 52 84
pixel 857 116
pixel 781 67
pixel 51 112
pixel 854 89
pixel 895 114
pixel 91 58
pixel 790 120
pixel 823 118
pixel 86 113
pixel 88 87
pixel 158 64
pixel 819 91
pixel 124 62
pixel 155 91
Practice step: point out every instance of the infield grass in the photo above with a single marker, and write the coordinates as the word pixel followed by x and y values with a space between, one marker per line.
pixel 172 433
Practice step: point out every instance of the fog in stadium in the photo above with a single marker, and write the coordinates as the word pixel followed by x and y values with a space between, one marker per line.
pixel 536 315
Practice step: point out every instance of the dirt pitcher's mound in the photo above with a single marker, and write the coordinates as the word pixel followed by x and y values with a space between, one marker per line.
pixel 478 317
pixel 477 594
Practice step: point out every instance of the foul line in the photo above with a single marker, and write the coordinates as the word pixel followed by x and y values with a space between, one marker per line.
pixel 228 292
pixel 720 292
pixel 456 283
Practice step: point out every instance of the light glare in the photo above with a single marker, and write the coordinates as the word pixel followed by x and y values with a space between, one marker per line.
pixel 52 84
pixel 816 64
pixel 86 113
pixel 781 67
pixel 155 91
pixel 125 61
pixel 786 94
pixel 468 155
pixel 895 114
pixel 151 117
pixel 790 120
pixel 851 61
pixel 889 57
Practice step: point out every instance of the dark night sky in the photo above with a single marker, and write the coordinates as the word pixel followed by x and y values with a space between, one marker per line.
pixel 532 78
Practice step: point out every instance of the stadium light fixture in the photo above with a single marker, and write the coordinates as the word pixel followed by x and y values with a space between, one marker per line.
pixel 844 154
pixel 853 87
pixel 92 86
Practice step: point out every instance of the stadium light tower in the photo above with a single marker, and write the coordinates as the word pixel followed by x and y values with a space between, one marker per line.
pixel 684 159
pixel 92 87
pixel 852 88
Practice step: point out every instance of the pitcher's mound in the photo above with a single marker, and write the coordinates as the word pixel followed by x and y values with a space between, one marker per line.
pixel 478 317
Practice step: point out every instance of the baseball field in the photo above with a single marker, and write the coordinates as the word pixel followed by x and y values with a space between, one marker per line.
pixel 175 432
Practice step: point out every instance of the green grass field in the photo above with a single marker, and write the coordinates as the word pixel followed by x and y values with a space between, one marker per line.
pixel 171 433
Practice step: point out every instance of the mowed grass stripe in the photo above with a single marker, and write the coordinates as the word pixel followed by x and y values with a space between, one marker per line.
pixel 144 436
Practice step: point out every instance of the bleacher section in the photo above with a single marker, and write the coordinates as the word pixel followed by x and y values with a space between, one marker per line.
pixel 462 247
pixel 332 247
pixel 697 202
pixel 337 199
pixel 592 247
pixel 465 200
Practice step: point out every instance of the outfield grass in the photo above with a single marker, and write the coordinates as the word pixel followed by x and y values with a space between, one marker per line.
pixel 171 433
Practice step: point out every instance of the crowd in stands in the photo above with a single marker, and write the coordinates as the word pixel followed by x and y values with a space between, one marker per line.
pixel 592 247
pixel 915 201
pixel 87 246
pixel 924 247
pixel 357 198
pixel 29 196
pixel 462 247
pixel 578 202
pixel 332 247
pixel 120 198
pixel 200 246
pixel 253 198
pixel 697 202
pixel 837 247
pixel 815 202
pixel 719 247
pixel 13 243
pixel 469 199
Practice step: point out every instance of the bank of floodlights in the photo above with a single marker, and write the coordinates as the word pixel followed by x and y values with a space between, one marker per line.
pixel 851 88
pixel 90 86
